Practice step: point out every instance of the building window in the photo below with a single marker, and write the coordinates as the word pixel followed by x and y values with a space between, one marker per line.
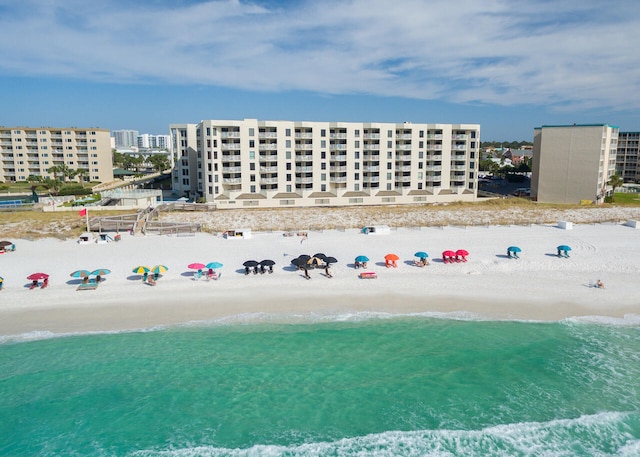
pixel 357 143
pixel 356 176
pixel 323 154
pixel 357 166
pixel 356 187
pixel 357 154
pixel 287 143
pixel 253 189
pixel 421 135
pixel 288 178
pixel 288 165
pixel 323 176
pixel 287 155
pixel 252 178
pixel 287 132
pixel 252 166
pixel 323 187
pixel 323 143
pixel 251 131
pixel 357 133
pixel 389 144
pixel 288 187
pixel 252 143
pixel 323 133
pixel 323 166
pixel 389 133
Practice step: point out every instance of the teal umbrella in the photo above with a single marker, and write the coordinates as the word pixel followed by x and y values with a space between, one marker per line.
pixel 101 272
pixel 514 249
pixel 214 265
pixel 362 258
pixel 80 274
pixel 564 247
pixel 421 255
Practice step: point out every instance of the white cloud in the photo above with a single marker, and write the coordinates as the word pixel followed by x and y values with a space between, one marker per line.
pixel 505 52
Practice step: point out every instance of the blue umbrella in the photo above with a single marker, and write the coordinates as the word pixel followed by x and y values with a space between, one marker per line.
pixel 421 255
pixel 513 249
pixel 213 265
pixel 80 274
pixel 101 272
pixel 362 258
pixel 564 247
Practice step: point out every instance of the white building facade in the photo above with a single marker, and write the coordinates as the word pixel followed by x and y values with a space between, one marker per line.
pixel 28 152
pixel 252 163
pixel 125 138
pixel 572 163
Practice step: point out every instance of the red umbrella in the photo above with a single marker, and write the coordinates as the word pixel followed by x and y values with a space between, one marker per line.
pixel 462 252
pixel 448 254
pixel 37 276
pixel 196 266
pixel 391 257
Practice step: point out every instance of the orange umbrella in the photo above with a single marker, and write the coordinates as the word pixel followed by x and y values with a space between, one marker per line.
pixel 391 257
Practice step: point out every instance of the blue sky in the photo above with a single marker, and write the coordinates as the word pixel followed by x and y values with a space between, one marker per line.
pixel 509 65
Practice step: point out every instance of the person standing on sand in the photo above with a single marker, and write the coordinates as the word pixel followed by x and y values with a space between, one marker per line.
pixel 304 237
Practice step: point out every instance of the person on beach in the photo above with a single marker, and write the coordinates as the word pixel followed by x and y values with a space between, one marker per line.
pixel 326 272
pixel 306 273
pixel 600 284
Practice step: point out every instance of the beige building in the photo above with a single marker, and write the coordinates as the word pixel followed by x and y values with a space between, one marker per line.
pixel 28 152
pixel 252 163
pixel 572 163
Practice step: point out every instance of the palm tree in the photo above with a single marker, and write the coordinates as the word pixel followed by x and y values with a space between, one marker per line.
pixel 615 181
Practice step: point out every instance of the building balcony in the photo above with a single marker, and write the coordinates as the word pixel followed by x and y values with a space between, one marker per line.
pixel 268 147
pixel 434 136
pixel 230 146
pixel 304 180
pixel 339 158
pixel 269 180
pixel 371 168
pixel 229 134
pixel 304 146
pixel 267 134
pixel 231 169
pixel 304 158
pixel 271 169
pixel 433 168
pixel 337 147
pixel 232 180
pixel 303 135
pixel 434 147
pixel 371 147
pixel 338 179
pixel 371 178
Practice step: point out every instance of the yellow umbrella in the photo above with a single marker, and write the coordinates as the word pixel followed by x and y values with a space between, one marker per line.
pixel 158 269
pixel 141 269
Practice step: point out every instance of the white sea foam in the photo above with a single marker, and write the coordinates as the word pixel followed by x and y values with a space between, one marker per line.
pixel 603 434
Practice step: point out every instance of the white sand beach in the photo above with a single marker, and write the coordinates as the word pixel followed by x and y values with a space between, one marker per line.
pixel 538 286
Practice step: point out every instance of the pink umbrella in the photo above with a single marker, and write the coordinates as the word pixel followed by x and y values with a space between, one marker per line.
pixel 37 276
pixel 447 256
pixel 196 266
pixel 462 252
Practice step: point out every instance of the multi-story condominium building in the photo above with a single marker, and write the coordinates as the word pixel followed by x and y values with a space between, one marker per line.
pixel 26 151
pixel 627 158
pixel 146 141
pixel 251 163
pixel 572 163
pixel 125 138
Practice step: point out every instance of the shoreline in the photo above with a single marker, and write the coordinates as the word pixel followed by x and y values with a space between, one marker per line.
pixel 537 287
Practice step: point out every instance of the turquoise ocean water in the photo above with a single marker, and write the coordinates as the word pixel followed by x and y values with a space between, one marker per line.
pixel 394 386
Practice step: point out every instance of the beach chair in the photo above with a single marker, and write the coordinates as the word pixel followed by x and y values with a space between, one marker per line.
pixel 92 285
pixel 197 275
pixel 368 275
pixel 45 283
pixel 34 285
pixel 213 275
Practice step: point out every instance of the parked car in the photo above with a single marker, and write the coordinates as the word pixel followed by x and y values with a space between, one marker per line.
pixel 522 192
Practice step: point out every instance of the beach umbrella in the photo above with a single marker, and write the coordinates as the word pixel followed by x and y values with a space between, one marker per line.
pixel 80 274
pixel 141 269
pixel 267 263
pixel 314 261
pixel 362 258
pixel 213 265
pixel 304 258
pixel 4 244
pixel 37 276
pixel 159 269
pixel 250 263
pixel 391 257
pixel 101 272
pixel 330 260
pixel 300 263
pixel 448 254
pixel 513 249
pixel 462 252
pixel 320 256
pixel 421 255
pixel 564 247
pixel 196 266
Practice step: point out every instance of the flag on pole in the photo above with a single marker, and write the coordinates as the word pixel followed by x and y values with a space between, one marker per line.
pixel 82 212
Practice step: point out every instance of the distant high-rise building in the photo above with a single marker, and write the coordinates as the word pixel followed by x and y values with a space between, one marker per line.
pixel 628 159
pixel 252 163
pixel 147 141
pixel 125 138
pixel 572 163
pixel 30 151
